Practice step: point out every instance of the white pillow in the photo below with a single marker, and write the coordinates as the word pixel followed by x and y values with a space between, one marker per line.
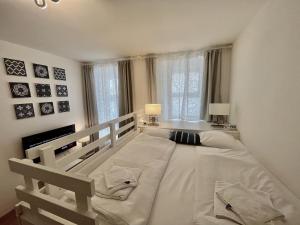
pixel 217 139
pixel 157 132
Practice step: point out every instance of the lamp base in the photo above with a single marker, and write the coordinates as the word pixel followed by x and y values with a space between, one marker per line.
pixel 153 121
pixel 219 119
pixel 216 125
pixel 153 124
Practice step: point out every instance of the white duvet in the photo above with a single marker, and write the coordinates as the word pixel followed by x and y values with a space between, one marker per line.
pixel 186 192
pixel 152 155
pixel 233 166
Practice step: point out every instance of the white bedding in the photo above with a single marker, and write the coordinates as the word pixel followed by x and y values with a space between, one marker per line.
pixel 151 155
pixel 234 166
pixel 175 200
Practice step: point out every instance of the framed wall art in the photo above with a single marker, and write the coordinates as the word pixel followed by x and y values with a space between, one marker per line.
pixel 63 106
pixel 59 73
pixel 24 110
pixel 15 67
pixel 46 108
pixel 61 90
pixel 43 90
pixel 19 90
pixel 40 71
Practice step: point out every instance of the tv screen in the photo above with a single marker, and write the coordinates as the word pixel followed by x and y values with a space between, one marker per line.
pixel 44 137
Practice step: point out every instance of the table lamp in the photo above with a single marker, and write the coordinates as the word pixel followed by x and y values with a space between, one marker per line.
pixel 220 110
pixel 153 111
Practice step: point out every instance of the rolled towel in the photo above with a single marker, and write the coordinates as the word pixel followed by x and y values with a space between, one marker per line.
pixel 220 210
pixel 253 207
pixel 119 177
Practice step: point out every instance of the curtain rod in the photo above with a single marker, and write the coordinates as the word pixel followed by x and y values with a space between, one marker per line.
pixel 157 55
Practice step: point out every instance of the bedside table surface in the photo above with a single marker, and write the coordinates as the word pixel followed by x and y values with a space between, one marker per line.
pixel 191 126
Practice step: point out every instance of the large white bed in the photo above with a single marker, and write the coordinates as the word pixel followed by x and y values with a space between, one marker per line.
pixel 184 193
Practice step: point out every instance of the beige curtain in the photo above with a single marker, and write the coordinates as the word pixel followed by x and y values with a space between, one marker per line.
pixel 125 87
pixel 125 90
pixel 90 103
pixel 216 79
pixel 150 67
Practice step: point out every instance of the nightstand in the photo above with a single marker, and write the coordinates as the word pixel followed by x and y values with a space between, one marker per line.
pixel 142 126
pixel 190 126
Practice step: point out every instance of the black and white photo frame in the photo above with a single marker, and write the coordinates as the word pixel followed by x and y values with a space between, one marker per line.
pixel 19 90
pixel 61 90
pixel 40 71
pixel 15 67
pixel 24 111
pixel 59 73
pixel 43 90
pixel 46 108
pixel 63 106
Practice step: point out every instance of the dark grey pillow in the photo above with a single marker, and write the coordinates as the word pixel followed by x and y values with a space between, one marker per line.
pixel 188 138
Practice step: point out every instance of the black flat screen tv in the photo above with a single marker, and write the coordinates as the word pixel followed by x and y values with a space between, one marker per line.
pixel 44 137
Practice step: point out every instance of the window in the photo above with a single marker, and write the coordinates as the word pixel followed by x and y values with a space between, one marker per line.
pixel 179 85
pixel 106 87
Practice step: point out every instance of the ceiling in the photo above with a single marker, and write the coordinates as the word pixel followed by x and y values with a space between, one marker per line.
pixel 89 30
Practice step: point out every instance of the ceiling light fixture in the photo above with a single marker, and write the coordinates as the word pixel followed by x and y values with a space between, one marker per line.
pixel 43 4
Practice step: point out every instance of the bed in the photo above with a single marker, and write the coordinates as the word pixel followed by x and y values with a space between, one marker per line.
pixel 184 181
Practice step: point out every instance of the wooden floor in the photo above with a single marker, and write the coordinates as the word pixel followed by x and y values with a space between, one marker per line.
pixel 9 219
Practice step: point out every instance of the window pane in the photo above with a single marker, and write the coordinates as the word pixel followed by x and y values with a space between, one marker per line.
pixel 106 87
pixel 179 83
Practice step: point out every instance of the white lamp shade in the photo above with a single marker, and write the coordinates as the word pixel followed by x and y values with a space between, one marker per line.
pixel 153 109
pixel 219 109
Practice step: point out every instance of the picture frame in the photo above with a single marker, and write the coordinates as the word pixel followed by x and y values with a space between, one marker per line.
pixel 15 67
pixel 63 106
pixel 46 108
pixel 24 111
pixel 40 71
pixel 19 90
pixel 43 90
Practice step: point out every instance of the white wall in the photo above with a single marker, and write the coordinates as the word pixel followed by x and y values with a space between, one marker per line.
pixel 266 89
pixel 11 129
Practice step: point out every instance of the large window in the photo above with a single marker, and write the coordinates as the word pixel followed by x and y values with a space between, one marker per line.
pixel 179 85
pixel 106 85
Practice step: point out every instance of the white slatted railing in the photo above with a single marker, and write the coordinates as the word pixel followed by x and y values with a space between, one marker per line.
pixel 47 151
pixel 51 174
pixel 84 187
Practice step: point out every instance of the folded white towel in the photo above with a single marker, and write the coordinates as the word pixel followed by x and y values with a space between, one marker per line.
pixel 117 183
pixel 119 177
pixel 102 191
pixel 252 206
pixel 220 210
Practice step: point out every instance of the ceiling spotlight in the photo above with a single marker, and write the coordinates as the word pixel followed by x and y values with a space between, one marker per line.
pixel 42 3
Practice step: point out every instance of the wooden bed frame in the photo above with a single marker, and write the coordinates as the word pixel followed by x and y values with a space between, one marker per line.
pixel 42 206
